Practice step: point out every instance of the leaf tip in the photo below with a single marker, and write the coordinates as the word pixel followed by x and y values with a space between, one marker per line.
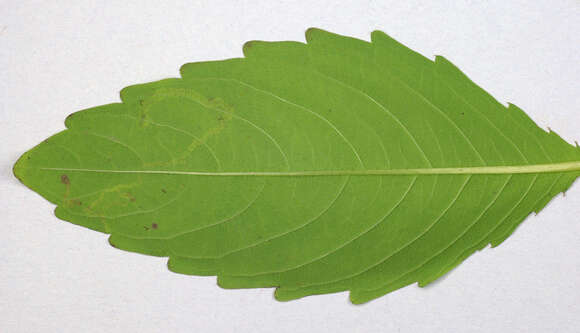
pixel 19 167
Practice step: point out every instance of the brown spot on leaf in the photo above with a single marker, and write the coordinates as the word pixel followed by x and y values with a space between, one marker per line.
pixel 154 226
pixel 142 119
pixel 130 196
pixel 64 179
pixel 163 190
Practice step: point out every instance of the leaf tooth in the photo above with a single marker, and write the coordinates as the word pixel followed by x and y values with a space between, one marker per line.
pixel 236 282
pixel 311 33
pixel 285 294
pixel 191 266
pixel 152 247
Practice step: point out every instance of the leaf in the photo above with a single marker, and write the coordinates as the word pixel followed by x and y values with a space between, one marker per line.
pixel 314 168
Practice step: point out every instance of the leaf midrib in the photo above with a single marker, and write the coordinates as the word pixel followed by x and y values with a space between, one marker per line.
pixel 492 170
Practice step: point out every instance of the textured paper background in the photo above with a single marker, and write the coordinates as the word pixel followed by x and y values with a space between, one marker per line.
pixel 57 57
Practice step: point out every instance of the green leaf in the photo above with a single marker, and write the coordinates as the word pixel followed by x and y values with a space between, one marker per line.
pixel 333 165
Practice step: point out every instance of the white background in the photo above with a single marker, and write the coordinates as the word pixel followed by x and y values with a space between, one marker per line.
pixel 57 57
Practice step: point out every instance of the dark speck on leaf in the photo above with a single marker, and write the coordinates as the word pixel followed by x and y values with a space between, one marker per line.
pixel 130 197
pixel 154 226
pixel 64 179
pixel 163 190
pixel 463 113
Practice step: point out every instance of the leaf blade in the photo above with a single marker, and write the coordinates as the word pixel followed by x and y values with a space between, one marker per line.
pixel 333 165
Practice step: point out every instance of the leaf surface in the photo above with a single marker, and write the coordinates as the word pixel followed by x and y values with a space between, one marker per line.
pixel 332 165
